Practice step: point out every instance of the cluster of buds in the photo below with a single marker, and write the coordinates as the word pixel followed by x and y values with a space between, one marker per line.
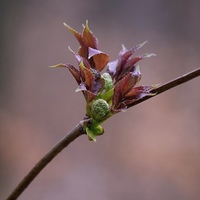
pixel 108 93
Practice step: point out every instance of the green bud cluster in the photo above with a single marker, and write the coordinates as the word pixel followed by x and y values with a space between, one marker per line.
pixel 100 109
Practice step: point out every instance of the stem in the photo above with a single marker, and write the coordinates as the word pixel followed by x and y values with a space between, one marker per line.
pixel 78 130
pixel 169 85
pixel 64 142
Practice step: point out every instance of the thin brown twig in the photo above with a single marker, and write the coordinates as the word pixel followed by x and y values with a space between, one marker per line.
pixel 64 142
pixel 78 130
pixel 169 85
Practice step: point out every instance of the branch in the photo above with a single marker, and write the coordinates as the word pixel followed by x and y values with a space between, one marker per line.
pixel 64 142
pixel 78 130
pixel 169 85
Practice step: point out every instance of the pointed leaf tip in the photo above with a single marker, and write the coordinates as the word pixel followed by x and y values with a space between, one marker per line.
pixel 89 38
pixel 81 87
pixel 142 44
pixel 139 46
pixel 148 55
pixel 58 65
pixel 65 24
pixel 69 27
pixel 75 33
pixel 87 24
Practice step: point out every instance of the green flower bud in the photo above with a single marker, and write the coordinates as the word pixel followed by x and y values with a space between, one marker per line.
pixel 100 109
pixel 108 81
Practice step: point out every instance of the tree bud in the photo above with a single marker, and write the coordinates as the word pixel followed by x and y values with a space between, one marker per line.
pixel 108 81
pixel 100 109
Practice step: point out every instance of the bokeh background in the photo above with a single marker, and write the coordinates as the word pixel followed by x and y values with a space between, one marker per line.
pixel 151 152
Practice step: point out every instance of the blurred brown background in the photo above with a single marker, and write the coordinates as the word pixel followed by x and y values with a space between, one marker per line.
pixel 151 152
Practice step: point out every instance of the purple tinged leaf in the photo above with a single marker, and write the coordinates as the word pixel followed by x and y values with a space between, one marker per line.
pixel 125 72
pixel 88 37
pixel 124 86
pixel 133 49
pixel 89 96
pixel 117 97
pixel 81 59
pixel 139 92
pixel 125 64
pixel 75 33
pixel 93 82
pixel 100 59
pixel 93 52
pixel 72 69
pixel 112 67
pixel 86 63
pixel 81 87
pixel 133 61
pixel 83 52
pixel 127 83
pixel 125 54
pixel 137 74
pixel 74 72
pixel 133 70
pixel 78 57
pixel 98 85
pixel 123 51
pixel 121 108
pixel 87 76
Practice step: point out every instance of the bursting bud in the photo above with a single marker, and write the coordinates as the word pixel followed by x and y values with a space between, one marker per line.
pixel 100 109
pixel 113 91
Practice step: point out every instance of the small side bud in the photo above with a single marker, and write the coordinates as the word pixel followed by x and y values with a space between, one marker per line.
pixel 100 109
pixel 92 133
pixel 98 130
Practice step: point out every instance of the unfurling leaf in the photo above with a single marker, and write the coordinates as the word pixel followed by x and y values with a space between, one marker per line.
pixel 100 59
